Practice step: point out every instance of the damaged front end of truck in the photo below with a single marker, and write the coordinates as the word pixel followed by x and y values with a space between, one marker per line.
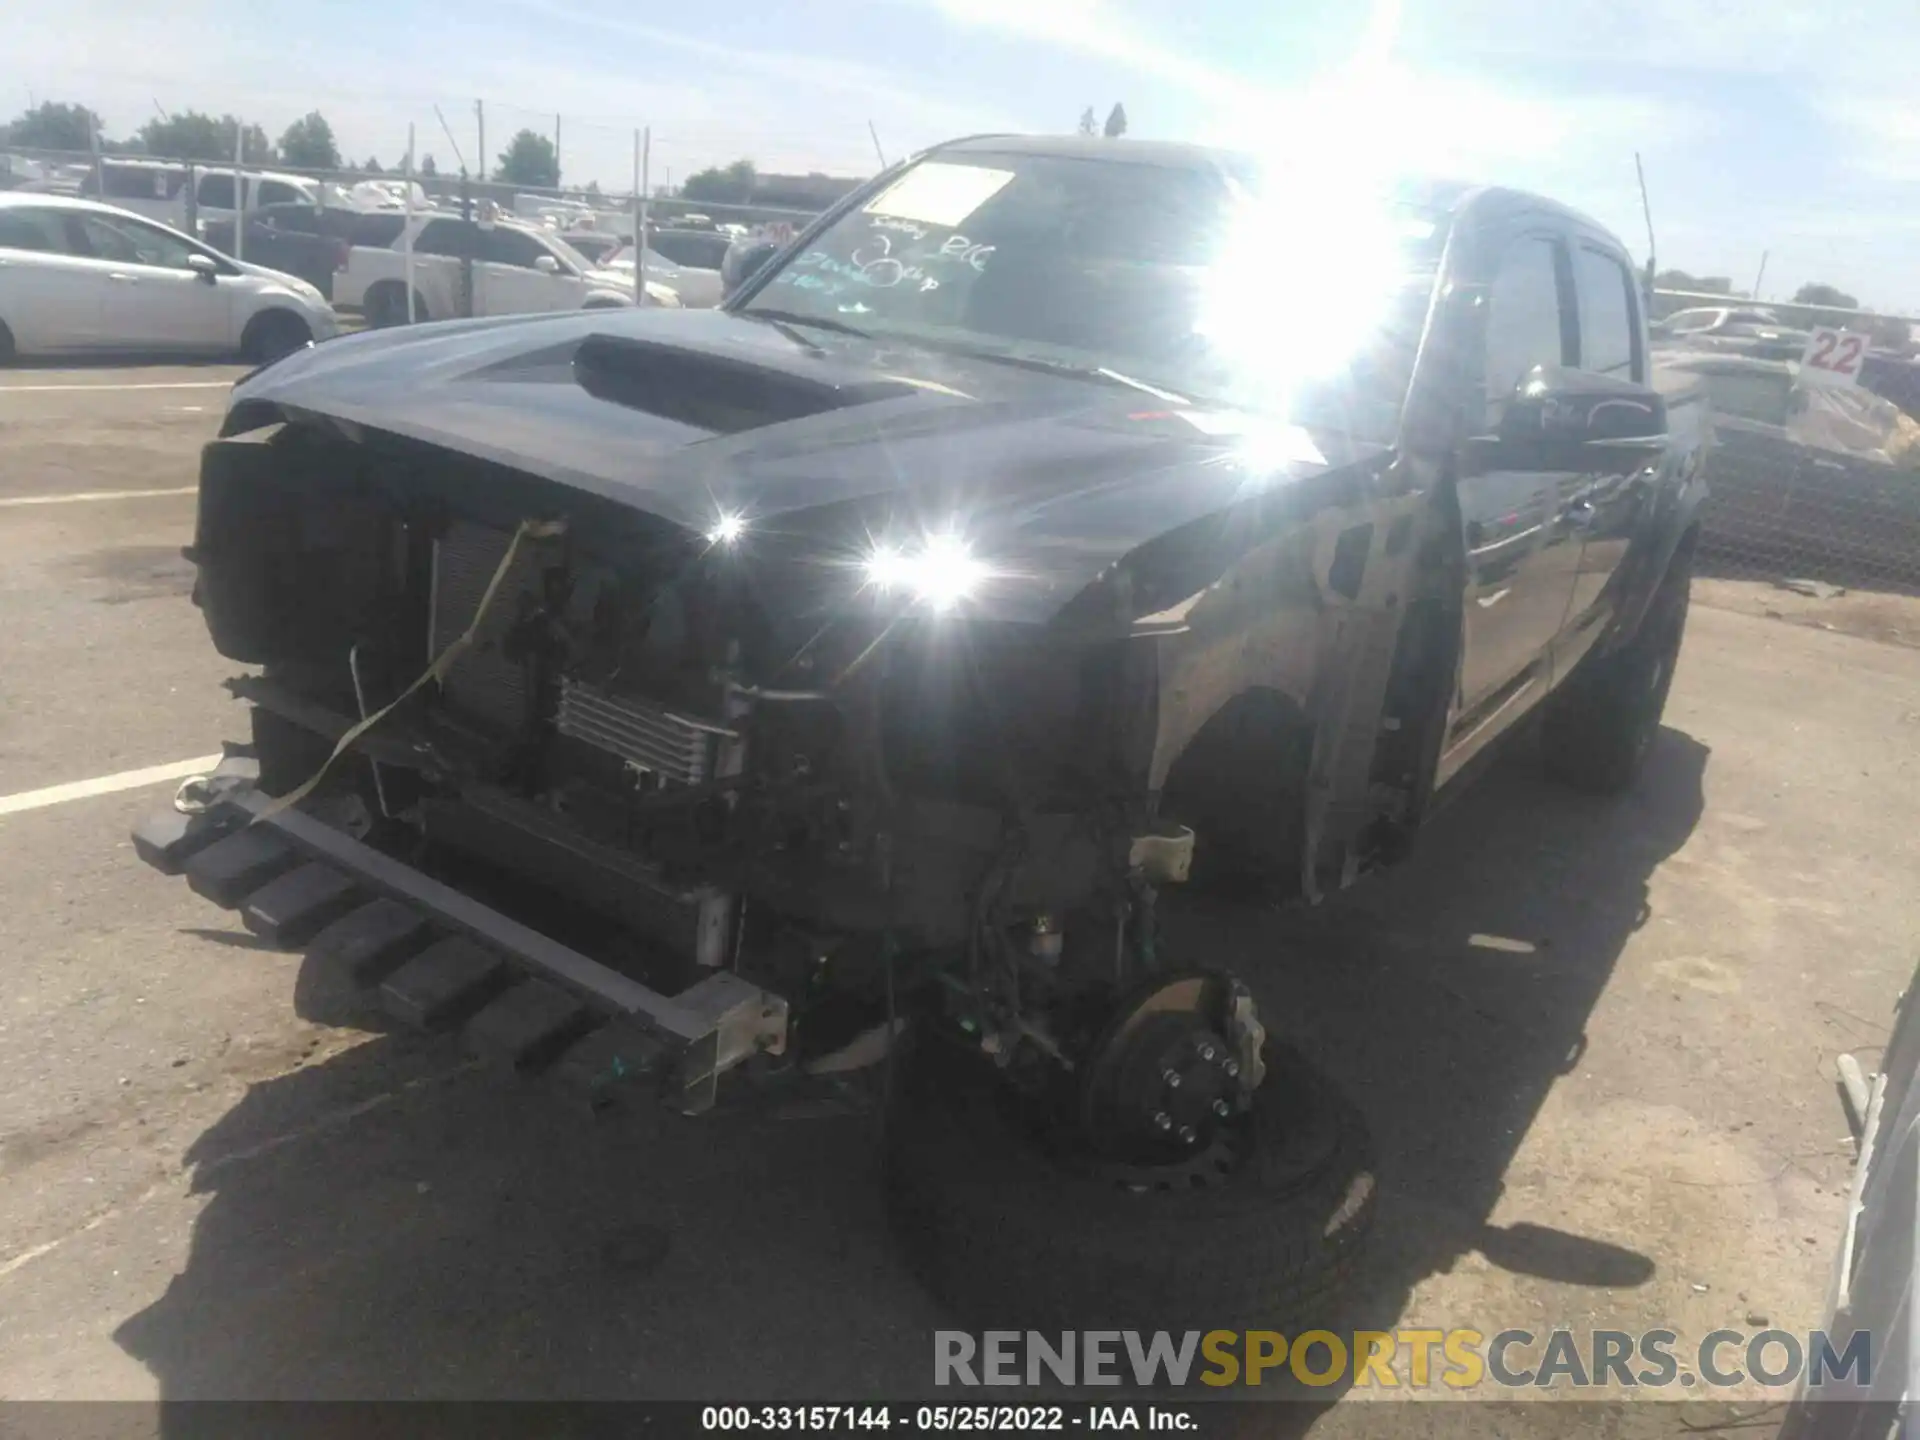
pixel 767 754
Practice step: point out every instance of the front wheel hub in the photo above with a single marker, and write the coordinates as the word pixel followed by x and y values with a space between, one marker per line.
pixel 1165 1077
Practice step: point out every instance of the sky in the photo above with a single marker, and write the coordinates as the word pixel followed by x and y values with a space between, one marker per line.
pixel 1772 127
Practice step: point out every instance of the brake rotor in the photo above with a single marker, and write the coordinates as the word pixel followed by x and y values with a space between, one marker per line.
pixel 1170 1072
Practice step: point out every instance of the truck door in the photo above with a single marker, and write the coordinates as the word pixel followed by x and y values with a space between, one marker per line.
pixel 1520 554
pixel 1606 508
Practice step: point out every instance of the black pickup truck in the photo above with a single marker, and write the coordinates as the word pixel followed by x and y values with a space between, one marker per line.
pixel 834 682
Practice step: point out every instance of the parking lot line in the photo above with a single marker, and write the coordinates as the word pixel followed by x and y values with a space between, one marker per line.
pixel 105 785
pixel 84 496
pixel 143 385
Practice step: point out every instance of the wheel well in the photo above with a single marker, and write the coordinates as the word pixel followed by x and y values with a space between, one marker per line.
pixel 277 315
pixel 1241 783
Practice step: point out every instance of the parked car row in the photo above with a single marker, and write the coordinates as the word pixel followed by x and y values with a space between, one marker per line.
pixel 517 269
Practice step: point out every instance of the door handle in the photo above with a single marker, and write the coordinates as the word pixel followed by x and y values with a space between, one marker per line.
pixel 1828 465
pixel 123 278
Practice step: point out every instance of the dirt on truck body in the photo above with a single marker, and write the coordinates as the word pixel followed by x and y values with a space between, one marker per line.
pixel 836 680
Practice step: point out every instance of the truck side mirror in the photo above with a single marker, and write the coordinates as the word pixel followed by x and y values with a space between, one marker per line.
pixel 743 261
pixel 1557 406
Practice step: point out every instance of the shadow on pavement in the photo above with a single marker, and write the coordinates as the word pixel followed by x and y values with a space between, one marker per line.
pixel 433 1230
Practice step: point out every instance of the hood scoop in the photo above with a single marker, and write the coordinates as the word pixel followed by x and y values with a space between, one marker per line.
pixel 719 393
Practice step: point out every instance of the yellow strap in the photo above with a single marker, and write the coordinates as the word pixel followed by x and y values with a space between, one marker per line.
pixel 528 530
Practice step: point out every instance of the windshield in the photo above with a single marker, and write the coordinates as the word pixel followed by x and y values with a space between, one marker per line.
pixel 1176 277
pixel 566 252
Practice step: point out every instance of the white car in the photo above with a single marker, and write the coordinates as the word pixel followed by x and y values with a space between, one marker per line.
pixel 76 275
pixel 517 270
pixel 697 288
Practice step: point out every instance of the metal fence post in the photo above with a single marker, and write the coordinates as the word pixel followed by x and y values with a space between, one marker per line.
pixel 467 234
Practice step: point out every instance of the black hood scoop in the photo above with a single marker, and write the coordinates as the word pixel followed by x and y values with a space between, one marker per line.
pixel 720 393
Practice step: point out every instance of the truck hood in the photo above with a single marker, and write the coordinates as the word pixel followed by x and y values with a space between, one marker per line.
pixel 698 415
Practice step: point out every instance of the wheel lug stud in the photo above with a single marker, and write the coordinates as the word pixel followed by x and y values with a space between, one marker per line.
pixel 1233 1069
pixel 1171 1078
pixel 1221 1108
pixel 1186 1134
pixel 1163 1121
pixel 1206 1053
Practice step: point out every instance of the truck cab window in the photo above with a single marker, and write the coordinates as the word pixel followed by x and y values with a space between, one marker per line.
pixel 1524 319
pixel 1607 327
pixel 441 237
pixel 502 246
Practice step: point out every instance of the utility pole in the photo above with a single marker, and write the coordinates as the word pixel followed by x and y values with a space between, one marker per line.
pixel 556 151
pixel 1762 275
pixel 480 121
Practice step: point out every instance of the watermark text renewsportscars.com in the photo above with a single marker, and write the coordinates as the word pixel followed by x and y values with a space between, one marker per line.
pixel 1404 1359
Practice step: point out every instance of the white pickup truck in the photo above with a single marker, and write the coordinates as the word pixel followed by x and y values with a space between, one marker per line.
pixel 517 270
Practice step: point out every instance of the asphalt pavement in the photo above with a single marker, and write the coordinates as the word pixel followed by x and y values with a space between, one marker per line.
pixel 1594 1039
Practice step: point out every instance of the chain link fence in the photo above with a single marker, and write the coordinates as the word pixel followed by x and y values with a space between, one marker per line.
pixel 1813 476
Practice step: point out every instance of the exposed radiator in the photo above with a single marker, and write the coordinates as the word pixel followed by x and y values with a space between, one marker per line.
pixel 483 684
pixel 645 736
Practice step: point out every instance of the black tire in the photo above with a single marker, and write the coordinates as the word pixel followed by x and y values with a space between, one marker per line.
pixel 273 334
pixel 1011 1236
pixel 6 344
pixel 1599 730
pixel 386 305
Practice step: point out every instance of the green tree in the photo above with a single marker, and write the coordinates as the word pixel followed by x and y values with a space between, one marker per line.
pixel 427 167
pixel 529 159
pixel 51 125
pixel 1088 124
pixel 191 135
pixel 1818 297
pixel 1116 121
pixel 732 185
pixel 593 189
pixel 1681 280
pixel 371 166
pixel 308 141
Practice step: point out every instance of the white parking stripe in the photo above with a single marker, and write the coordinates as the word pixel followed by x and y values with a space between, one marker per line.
pixel 105 785
pixel 83 497
pixel 103 389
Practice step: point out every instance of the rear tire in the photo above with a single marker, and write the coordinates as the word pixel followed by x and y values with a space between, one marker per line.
pixel 386 305
pixel 273 334
pixel 7 348
pixel 1599 730
pixel 1010 1235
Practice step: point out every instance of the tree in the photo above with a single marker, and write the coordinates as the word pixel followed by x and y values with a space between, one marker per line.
pixel 1088 125
pixel 427 167
pixel 1821 296
pixel 372 166
pixel 529 159
pixel 53 126
pixel 308 141
pixel 1681 280
pixel 191 135
pixel 593 188
pixel 1116 121
pixel 733 185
